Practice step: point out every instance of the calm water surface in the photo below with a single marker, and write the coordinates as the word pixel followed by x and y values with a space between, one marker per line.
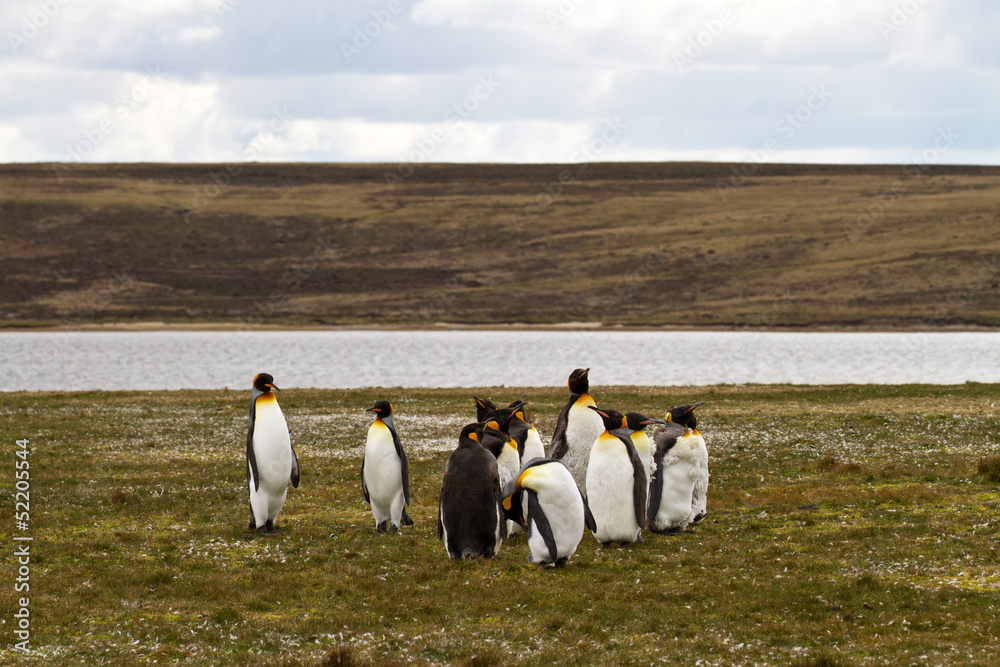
pixel 345 359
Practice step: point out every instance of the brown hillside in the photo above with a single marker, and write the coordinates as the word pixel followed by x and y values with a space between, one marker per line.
pixel 642 244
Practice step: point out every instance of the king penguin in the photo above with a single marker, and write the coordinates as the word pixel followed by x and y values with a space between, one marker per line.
pixel 643 445
pixel 576 428
pixel 471 522
pixel 271 461
pixel 681 416
pixel 544 499
pixel 616 482
pixel 504 448
pixel 524 433
pixel 679 462
pixel 385 477
pixel 484 408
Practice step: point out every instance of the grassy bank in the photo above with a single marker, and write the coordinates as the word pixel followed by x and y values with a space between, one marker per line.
pixel 847 525
pixel 641 244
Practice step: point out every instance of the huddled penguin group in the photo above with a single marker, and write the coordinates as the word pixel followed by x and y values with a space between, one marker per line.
pixel 601 472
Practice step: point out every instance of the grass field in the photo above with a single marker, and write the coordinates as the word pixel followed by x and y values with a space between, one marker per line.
pixel 847 525
pixel 631 244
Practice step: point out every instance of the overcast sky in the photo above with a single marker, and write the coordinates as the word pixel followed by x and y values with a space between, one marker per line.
pixel 893 81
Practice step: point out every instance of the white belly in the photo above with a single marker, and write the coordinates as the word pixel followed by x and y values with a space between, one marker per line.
pixel 272 447
pixel 610 480
pixel 583 425
pixel 675 498
pixel 533 447
pixel 508 464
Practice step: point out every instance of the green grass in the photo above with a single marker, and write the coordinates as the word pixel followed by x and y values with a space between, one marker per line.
pixel 847 525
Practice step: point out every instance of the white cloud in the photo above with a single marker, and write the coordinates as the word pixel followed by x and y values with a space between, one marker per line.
pixel 560 67
pixel 199 34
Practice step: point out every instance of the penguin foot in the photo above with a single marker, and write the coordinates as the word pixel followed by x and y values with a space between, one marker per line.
pixel 700 517
pixel 405 520
pixel 381 527
pixel 561 562
pixel 393 528
pixel 253 525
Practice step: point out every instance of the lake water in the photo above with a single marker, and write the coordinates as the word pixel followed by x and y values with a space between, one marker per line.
pixel 344 359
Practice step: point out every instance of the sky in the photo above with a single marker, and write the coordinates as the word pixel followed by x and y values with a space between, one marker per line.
pixel 409 81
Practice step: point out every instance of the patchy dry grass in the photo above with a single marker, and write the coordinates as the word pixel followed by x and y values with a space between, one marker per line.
pixel 846 526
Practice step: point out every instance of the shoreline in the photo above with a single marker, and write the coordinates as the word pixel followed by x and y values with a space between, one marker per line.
pixel 156 326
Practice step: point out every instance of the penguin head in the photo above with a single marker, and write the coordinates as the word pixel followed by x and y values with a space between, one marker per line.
pixel 381 408
pixel 494 438
pixel 503 416
pixel 637 421
pixel 264 382
pixel 578 382
pixel 614 421
pixel 484 408
pixel 471 435
pixel 383 411
pixel 519 403
pixel 683 415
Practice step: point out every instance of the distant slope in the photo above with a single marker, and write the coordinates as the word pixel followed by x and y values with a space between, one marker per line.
pixel 643 244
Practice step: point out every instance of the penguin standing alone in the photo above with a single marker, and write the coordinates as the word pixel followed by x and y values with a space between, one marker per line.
pixel 471 522
pixel 576 429
pixel 385 477
pixel 545 500
pixel 271 461
pixel 617 482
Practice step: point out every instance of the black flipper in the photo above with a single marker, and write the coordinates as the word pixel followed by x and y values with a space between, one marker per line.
pixel 559 446
pixel 295 468
pixel 537 517
pixel 440 522
pixel 250 455
pixel 364 487
pixel 588 516
pixel 404 469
